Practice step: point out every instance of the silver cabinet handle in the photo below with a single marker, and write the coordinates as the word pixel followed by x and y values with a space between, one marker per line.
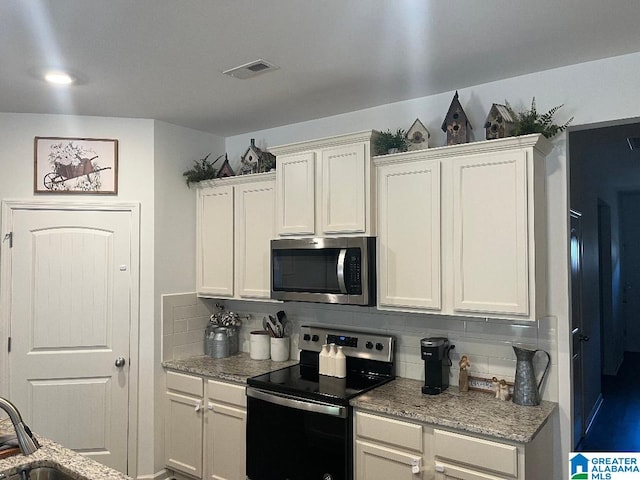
pixel 120 361
pixel 340 270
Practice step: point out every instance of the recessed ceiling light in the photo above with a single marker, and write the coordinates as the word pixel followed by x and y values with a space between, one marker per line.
pixel 251 69
pixel 59 78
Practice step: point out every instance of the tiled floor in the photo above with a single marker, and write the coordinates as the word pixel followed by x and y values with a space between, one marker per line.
pixel 617 426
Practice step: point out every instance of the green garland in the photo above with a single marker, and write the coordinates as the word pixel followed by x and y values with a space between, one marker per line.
pixel 530 121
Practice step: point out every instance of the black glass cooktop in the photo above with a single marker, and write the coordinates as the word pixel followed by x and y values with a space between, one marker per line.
pixel 305 382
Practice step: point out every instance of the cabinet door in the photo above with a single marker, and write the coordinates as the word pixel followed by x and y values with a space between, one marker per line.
pixel 225 447
pixel 255 227
pixel 343 189
pixel 214 272
pixel 490 229
pixel 409 235
pixel 455 472
pixel 295 194
pixel 376 462
pixel 183 434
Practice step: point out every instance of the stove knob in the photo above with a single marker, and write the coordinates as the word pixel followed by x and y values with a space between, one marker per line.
pixel 369 345
pixel 306 337
pixel 379 346
pixel 315 338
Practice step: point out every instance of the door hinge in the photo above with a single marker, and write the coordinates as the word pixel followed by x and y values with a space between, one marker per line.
pixel 9 236
pixel 9 344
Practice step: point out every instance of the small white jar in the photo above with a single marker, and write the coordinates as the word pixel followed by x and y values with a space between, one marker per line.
pixel 259 347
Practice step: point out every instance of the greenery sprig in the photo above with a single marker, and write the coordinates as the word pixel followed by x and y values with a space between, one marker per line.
pixel 530 121
pixel 202 169
pixel 385 141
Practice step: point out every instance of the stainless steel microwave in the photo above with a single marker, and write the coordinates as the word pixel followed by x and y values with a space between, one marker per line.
pixel 324 270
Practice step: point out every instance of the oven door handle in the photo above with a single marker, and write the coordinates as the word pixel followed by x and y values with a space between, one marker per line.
pixel 293 402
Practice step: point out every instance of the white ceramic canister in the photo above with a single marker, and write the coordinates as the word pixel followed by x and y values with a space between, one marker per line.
pixel 279 349
pixel 259 347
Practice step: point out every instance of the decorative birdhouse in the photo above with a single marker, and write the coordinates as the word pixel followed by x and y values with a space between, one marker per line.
pixel 499 122
pixel 456 123
pixel 225 169
pixel 418 136
pixel 256 160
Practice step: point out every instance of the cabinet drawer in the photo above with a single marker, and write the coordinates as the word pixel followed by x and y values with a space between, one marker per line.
pixel 390 431
pixel 227 393
pixel 184 383
pixel 480 453
pixel 453 472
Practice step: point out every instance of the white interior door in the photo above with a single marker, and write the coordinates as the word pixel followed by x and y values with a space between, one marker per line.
pixel 70 320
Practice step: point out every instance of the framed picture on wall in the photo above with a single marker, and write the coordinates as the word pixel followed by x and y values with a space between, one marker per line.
pixel 75 165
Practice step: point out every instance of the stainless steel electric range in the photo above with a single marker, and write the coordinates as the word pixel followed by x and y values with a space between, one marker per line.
pixel 299 423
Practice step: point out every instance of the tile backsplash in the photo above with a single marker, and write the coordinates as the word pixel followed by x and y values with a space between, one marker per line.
pixel 487 342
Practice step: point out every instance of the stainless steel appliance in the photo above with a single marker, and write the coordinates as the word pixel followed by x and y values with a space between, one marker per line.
pixel 324 270
pixel 299 423
pixel 435 353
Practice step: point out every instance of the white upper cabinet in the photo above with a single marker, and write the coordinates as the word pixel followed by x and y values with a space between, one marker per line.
pixel 409 233
pixel 296 193
pixel 490 233
pixel 344 200
pixel 235 224
pixel 324 187
pixel 462 229
pixel 214 237
pixel 254 229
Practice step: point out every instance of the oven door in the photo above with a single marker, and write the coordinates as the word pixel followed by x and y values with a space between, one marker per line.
pixel 289 438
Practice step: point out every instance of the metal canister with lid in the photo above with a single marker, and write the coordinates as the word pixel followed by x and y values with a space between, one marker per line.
pixel 220 344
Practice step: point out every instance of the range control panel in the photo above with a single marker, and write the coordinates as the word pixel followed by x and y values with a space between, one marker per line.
pixel 374 346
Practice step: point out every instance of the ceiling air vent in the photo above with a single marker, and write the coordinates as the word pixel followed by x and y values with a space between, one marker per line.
pixel 634 143
pixel 251 69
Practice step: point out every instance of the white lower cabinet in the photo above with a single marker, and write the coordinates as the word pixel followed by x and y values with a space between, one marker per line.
pixel 386 448
pixel 205 427
pixel 225 425
pixel 183 424
pixel 470 458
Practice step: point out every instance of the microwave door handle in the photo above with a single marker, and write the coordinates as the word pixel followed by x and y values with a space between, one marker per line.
pixel 341 263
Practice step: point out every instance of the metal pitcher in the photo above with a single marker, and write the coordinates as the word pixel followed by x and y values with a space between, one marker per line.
pixel 526 391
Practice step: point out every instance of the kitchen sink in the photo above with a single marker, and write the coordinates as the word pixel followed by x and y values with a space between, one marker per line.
pixel 41 473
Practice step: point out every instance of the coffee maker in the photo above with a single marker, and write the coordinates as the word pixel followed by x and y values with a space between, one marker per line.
pixel 435 353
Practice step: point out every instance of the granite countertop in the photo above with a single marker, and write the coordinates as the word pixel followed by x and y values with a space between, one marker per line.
pixel 236 368
pixel 51 454
pixel 474 412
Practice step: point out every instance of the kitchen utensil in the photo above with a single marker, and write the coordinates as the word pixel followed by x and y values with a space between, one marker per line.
pixel 526 391
pixel 276 326
pixel 270 330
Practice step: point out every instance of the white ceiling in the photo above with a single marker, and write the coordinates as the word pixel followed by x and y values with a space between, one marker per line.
pixel 163 59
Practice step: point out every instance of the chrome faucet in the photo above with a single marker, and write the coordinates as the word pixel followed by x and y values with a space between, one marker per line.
pixel 28 444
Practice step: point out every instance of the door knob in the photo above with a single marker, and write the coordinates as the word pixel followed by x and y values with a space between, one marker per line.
pixel 584 338
pixel 120 361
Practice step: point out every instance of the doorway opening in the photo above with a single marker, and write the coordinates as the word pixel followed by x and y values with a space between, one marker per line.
pixel 604 168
